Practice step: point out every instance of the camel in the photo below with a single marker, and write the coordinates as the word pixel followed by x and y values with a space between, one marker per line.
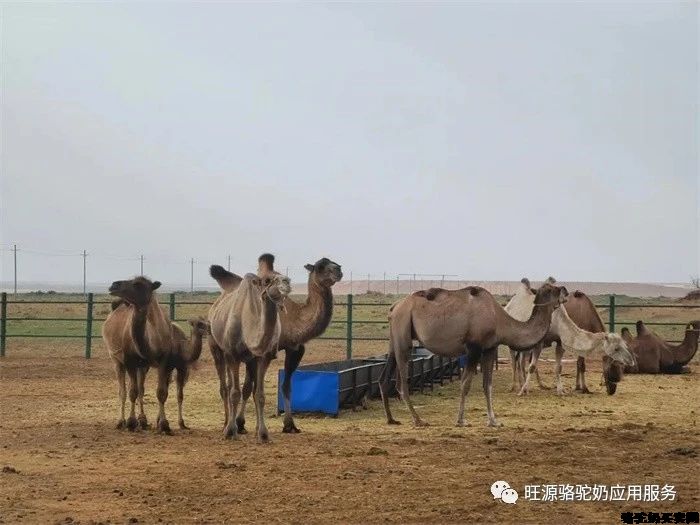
pixel 244 326
pixel 520 307
pixel 187 353
pixel 444 321
pixel 656 356
pixel 139 335
pixel 568 335
pixel 300 324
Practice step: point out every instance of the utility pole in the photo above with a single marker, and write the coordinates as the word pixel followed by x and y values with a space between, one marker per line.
pixel 286 271
pixel 384 283
pixel 397 285
pixel 141 264
pixel 229 263
pixel 192 275
pixel 368 283
pixel 350 283
pixel 414 282
pixel 15 250
pixel 84 271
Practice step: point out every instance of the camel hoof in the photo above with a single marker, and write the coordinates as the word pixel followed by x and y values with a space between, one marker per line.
pixel 181 424
pixel 230 432
pixel 522 393
pixel 164 426
pixel 132 423
pixel 240 423
pixel 143 423
pixel 393 422
pixel 494 423
pixel 585 391
pixel 263 438
pixel 290 428
pixel 461 423
pixel 121 424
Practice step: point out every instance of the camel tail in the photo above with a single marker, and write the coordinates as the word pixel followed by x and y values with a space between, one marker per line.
pixel 227 280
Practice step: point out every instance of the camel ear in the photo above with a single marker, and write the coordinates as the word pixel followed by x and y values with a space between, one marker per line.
pixel 156 285
pixel 309 267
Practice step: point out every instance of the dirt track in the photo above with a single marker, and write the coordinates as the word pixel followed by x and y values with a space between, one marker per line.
pixel 57 418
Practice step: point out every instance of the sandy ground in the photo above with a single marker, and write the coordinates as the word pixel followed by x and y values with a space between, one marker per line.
pixel 65 462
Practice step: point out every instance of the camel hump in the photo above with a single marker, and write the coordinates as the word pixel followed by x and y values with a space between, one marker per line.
pixel 526 282
pixel 227 280
pixel 474 290
pixel 550 280
pixel 578 294
pixel 641 329
pixel 429 294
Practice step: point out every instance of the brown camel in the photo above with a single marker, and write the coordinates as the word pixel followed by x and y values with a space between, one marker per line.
pixel 444 321
pixel 300 324
pixel 656 356
pixel 568 335
pixel 139 335
pixel 245 325
pixel 187 352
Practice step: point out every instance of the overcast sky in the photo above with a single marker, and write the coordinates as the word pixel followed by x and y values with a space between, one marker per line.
pixel 490 141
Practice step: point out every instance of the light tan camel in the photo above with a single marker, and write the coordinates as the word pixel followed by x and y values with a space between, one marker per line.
pixel 656 356
pixel 579 329
pixel 444 321
pixel 245 325
pixel 520 308
pixel 300 324
pixel 139 335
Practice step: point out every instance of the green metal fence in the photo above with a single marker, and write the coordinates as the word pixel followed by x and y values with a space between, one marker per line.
pixel 349 321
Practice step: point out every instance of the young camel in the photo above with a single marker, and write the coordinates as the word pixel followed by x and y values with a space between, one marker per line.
pixel 579 329
pixel 187 353
pixel 300 324
pixel 445 321
pixel 568 336
pixel 139 335
pixel 656 356
pixel 245 326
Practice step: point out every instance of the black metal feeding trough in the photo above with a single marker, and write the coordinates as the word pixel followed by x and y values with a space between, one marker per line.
pixel 328 387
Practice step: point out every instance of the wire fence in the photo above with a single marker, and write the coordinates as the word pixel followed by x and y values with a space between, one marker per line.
pixel 348 306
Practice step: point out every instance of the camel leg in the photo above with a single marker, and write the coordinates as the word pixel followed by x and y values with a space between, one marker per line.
pixel 234 396
pixel 248 385
pixel 221 370
pixel 465 386
pixel 522 364
pixel 121 381
pixel 259 398
pixel 514 365
pixel 530 370
pixel 401 353
pixel 558 353
pixel 181 380
pixel 141 376
pixel 488 358
pixel 164 376
pixel 292 359
pixel 536 357
pixel 132 423
pixel 581 375
pixel 384 380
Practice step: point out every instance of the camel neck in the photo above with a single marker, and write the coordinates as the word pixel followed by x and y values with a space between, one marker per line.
pixel 313 316
pixel 145 317
pixel 683 353
pixel 571 336
pixel 195 347
pixel 523 335
pixel 268 323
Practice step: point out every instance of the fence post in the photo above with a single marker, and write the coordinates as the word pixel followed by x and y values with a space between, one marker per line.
pixel 3 326
pixel 88 327
pixel 348 341
pixel 611 313
pixel 172 307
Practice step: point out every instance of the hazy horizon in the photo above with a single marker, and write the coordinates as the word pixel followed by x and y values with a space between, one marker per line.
pixel 488 141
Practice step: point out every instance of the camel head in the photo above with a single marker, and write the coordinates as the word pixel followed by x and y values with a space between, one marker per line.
pixel 200 326
pixel 137 291
pixel 615 347
pixel 325 272
pixel 275 286
pixel 612 374
pixel 549 294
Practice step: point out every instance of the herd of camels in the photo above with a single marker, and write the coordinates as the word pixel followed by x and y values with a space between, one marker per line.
pixel 254 318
